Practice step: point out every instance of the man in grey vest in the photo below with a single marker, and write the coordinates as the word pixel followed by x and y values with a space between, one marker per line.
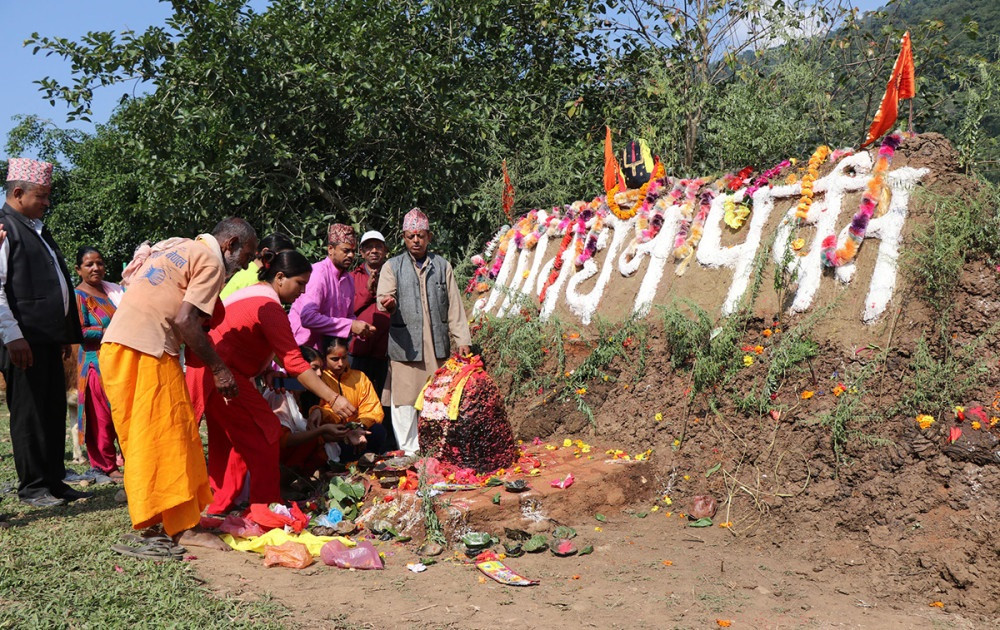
pixel 38 323
pixel 427 320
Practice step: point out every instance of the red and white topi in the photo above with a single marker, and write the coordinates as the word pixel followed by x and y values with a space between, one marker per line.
pixel 30 171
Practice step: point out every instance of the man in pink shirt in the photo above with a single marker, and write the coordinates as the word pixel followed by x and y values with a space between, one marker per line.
pixel 326 308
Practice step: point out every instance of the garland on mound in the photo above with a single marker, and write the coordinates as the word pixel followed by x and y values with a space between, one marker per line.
pixel 581 224
pixel 463 421
pixel 833 257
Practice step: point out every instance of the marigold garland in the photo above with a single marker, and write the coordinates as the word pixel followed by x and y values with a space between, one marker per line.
pixel 833 257
pixel 808 180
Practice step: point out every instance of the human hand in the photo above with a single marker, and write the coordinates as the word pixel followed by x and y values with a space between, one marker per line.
pixel 20 354
pixel 269 381
pixel 358 437
pixel 343 407
pixel 464 351
pixel 362 329
pixel 334 432
pixel 225 382
pixel 314 419
pixel 388 303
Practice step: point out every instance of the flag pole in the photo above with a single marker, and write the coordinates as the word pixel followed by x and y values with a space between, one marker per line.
pixel 911 115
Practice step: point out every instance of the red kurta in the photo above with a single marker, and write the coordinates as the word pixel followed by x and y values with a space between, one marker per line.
pixel 243 432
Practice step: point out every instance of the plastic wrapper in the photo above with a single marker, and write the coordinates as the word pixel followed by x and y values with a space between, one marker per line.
pixel 362 556
pixel 291 554
pixel 703 506
pixel 240 527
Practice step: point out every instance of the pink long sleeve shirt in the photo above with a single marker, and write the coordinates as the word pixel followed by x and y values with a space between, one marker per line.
pixel 326 308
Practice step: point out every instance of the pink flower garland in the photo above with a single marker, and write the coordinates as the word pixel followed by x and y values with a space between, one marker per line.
pixel 832 257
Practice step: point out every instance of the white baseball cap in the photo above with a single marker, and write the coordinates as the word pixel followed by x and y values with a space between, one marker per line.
pixel 372 234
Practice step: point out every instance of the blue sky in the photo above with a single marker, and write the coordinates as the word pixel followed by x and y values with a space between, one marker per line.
pixel 72 19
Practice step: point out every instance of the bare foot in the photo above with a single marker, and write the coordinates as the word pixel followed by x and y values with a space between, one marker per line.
pixel 200 538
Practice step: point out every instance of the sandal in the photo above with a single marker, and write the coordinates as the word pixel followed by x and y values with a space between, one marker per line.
pixel 151 539
pixel 150 552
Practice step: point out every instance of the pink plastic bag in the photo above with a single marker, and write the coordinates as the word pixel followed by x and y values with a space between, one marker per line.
pixel 363 556
pixel 240 527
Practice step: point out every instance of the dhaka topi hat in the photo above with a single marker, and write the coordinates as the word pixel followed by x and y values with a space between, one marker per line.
pixel 340 233
pixel 30 171
pixel 415 220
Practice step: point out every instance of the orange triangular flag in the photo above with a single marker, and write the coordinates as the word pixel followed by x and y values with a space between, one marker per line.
pixel 507 197
pixel 902 84
pixel 612 173
pixel 907 85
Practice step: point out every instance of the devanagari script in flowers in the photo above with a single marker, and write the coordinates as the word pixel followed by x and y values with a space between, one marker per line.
pixel 548 256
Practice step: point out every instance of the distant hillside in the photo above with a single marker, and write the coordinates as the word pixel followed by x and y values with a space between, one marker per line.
pixel 971 26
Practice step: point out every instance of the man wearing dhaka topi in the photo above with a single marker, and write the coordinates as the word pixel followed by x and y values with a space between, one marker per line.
pixel 38 322
pixel 427 319
pixel 169 298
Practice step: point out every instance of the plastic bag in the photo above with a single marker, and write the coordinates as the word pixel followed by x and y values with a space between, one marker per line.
pixel 330 519
pixel 262 514
pixel 290 554
pixel 703 506
pixel 240 527
pixel 363 556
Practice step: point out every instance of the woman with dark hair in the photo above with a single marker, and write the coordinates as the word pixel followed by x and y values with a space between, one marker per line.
pixel 243 433
pixel 273 243
pixel 355 386
pixel 98 300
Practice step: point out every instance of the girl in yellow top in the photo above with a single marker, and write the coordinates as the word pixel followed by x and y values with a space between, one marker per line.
pixel 356 388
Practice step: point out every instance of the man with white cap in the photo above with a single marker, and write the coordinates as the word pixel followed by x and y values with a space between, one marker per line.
pixel 370 355
pixel 39 322
pixel 427 320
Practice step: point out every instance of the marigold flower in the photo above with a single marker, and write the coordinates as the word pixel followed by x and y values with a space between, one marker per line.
pixel 726 525
pixel 976 425
pixel 668 563
pixel 936 604
pixel 839 389
pixel 767 332
pixel 687 477
pixel 658 417
pixel 677 442
pixel 798 244
pixel 807 394
pixel 567 443
pixel 993 421
pixel 581 391
pixel 747 360
pixel 723 623
pixel 758 349
pixel 925 421
pixel 655 508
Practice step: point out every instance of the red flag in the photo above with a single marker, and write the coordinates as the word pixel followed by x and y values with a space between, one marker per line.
pixel 507 198
pixel 902 84
pixel 612 173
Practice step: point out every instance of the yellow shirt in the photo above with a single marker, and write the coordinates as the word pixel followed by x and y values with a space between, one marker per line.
pixel 358 390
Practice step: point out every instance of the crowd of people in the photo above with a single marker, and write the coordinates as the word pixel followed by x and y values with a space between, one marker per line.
pixel 198 328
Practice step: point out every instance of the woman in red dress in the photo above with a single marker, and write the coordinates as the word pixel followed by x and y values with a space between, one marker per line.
pixel 243 433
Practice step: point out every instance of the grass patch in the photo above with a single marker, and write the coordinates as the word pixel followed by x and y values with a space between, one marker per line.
pixel 57 571
pixel 517 347
pixel 938 379
pixel 966 224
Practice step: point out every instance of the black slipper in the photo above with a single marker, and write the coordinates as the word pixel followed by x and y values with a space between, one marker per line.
pixel 149 552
